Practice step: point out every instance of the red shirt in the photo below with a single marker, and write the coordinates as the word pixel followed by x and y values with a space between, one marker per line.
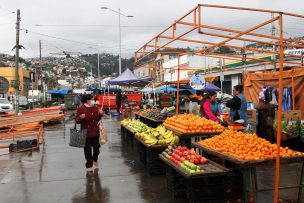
pixel 90 122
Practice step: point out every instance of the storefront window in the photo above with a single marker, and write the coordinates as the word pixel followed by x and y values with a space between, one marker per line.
pixel 4 85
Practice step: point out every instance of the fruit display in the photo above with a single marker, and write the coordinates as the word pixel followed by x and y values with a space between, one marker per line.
pixel 246 146
pixel 154 113
pixel 189 123
pixel 187 159
pixel 138 126
pixel 151 136
pixel 125 122
pixel 158 135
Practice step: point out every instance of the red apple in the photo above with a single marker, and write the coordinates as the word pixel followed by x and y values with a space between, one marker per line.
pixel 203 160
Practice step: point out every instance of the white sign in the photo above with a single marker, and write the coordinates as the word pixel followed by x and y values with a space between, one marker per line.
pixel 197 82
pixel 294 51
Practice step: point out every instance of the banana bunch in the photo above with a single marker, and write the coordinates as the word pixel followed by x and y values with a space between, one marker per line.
pixel 126 121
pixel 138 126
pixel 151 136
pixel 161 129
pixel 147 137
pixel 167 138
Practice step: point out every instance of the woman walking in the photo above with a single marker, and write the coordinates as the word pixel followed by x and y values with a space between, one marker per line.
pixel 88 115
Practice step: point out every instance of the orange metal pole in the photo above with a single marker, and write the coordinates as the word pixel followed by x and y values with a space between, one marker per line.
pixel 238 31
pixel 251 9
pixel 293 90
pixel 225 45
pixel 181 35
pixel 194 18
pixel 279 131
pixel 244 32
pixel 199 19
pixel 184 16
pixel 178 83
pixel 249 40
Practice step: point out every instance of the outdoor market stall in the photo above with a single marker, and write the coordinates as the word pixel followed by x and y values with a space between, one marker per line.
pixel 182 31
pixel 245 154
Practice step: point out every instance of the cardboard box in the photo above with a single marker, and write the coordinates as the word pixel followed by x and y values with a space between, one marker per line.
pixel 293 115
pixel 252 115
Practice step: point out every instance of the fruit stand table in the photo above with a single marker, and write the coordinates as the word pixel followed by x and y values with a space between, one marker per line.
pixel 149 156
pixel 254 172
pixel 197 187
pixel 148 121
pixel 128 134
pixel 186 138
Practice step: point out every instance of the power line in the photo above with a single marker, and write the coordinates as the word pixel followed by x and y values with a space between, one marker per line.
pixel 82 25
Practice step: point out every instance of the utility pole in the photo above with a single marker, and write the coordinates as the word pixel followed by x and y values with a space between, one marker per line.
pixel 119 30
pixel 273 32
pixel 41 75
pixel 98 73
pixel 40 50
pixel 17 46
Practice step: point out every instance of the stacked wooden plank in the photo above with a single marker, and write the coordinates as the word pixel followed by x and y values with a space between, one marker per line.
pixel 40 117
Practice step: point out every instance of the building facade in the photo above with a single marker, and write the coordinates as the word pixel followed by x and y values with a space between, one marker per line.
pixel 8 78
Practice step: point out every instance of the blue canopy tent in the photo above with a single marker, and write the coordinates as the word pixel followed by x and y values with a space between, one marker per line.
pixel 63 91
pixel 211 87
pixel 166 88
pixel 127 78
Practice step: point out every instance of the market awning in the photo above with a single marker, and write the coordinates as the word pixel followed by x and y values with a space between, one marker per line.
pixel 63 91
pixel 127 78
pixel 185 81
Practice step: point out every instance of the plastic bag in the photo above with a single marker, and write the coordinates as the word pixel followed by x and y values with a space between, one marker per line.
pixel 103 138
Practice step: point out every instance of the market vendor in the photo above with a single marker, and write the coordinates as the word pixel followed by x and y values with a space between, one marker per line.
pixel 266 114
pixel 238 105
pixel 209 107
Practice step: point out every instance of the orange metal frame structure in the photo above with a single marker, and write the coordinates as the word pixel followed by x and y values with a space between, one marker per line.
pixel 169 35
pixel 12 133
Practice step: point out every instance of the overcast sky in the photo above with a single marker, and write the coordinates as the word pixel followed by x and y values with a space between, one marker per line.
pixel 85 23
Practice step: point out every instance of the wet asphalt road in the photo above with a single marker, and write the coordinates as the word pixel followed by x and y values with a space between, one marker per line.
pixel 57 173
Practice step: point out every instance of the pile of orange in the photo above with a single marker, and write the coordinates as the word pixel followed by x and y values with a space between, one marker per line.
pixel 189 123
pixel 246 146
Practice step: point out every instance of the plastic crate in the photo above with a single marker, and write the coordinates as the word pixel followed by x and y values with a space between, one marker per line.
pixel 176 183
pixel 207 189
pixel 156 170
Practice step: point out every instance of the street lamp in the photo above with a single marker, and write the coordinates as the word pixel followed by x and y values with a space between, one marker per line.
pixel 98 74
pixel 119 30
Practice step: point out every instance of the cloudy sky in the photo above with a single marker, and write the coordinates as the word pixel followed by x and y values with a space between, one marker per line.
pixel 75 25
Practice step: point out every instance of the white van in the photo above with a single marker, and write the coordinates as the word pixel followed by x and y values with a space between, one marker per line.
pixel 5 106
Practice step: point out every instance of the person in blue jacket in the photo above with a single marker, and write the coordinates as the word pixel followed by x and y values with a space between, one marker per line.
pixel 238 105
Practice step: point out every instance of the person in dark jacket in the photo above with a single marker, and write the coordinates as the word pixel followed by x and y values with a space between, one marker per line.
pixel 238 105
pixel 77 101
pixel 118 100
pixel 265 116
pixel 88 115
